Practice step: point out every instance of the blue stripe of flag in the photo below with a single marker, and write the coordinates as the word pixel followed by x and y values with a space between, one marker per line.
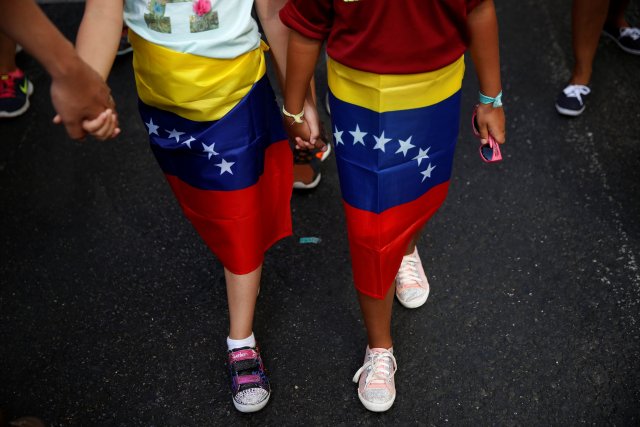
pixel 375 180
pixel 227 154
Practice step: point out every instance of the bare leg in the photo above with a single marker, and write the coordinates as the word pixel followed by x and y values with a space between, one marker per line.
pixel 616 18
pixel 7 54
pixel 377 318
pixel 242 292
pixel 588 19
pixel 413 242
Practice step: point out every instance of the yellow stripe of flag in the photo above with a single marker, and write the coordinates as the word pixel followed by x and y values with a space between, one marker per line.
pixel 393 92
pixel 194 87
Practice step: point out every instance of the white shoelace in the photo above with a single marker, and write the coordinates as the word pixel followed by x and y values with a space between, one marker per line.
pixel 408 271
pixel 632 32
pixel 576 91
pixel 383 367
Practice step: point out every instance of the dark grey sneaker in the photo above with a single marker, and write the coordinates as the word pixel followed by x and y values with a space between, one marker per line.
pixel 306 170
pixel 570 101
pixel 628 38
pixel 15 89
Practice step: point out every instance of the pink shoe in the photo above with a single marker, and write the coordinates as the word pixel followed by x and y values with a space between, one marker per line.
pixel 412 287
pixel 376 386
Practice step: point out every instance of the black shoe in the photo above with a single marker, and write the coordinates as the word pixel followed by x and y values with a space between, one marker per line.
pixel 571 100
pixel 628 38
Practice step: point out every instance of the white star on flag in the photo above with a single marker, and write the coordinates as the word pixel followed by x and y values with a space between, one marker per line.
pixel 427 172
pixel 188 141
pixel 337 136
pixel 405 146
pixel 209 149
pixel 151 127
pixel 174 134
pixel 358 136
pixel 423 154
pixel 225 166
pixel 380 142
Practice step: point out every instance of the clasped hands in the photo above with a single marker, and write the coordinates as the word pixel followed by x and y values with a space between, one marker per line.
pixel 306 135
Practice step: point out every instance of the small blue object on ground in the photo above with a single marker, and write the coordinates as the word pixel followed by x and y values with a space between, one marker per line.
pixel 312 240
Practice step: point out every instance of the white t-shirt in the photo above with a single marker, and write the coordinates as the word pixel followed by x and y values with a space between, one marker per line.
pixel 212 28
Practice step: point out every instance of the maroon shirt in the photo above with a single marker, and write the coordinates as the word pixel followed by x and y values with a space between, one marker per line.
pixel 385 36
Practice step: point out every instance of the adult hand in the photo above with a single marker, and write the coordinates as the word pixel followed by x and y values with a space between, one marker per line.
pixel 79 94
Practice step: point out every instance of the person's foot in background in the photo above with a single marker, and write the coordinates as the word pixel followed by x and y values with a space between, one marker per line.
pixel 15 87
pixel 19 422
pixel 306 170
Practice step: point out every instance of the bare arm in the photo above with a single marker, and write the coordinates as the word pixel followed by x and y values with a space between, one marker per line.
pixel 301 61
pixel 278 36
pixel 276 32
pixel 485 52
pixel 99 34
pixel 77 92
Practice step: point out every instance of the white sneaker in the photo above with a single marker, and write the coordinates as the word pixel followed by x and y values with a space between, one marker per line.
pixel 376 386
pixel 412 287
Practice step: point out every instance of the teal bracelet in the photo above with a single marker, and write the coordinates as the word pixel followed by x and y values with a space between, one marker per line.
pixel 484 99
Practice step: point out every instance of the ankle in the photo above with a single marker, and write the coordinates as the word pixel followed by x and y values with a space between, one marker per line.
pixel 579 81
pixel 618 22
pixel 249 341
pixel 410 250
pixel 381 343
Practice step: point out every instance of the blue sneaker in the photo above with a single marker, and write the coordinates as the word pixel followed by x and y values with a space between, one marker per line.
pixel 570 101
pixel 628 38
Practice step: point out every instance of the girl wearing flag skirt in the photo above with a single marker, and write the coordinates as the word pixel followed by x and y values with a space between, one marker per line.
pixel 216 132
pixel 395 72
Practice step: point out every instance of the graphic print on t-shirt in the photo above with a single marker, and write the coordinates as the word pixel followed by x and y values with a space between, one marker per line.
pixel 180 16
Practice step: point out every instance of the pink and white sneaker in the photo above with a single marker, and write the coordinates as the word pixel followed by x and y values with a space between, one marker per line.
pixel 412 287
pixel 376 386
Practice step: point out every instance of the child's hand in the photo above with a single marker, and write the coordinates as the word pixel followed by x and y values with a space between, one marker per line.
pixel 491 121
pixel 104 126
pixel 299 133
pixel 313 120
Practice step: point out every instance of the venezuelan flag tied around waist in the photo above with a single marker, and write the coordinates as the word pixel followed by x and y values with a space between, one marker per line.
pixel 395 137
pixel 216 132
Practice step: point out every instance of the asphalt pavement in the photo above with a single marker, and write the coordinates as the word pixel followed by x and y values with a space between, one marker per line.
pixel 113 311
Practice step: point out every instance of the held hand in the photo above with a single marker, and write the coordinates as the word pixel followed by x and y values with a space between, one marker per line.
pixel 80 94
pixel 298 133
pixel 313 120
pixel 491 120
pixel 104 126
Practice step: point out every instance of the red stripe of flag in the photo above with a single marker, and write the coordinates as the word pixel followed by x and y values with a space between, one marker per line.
pixel 378 241
pixel 240 225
